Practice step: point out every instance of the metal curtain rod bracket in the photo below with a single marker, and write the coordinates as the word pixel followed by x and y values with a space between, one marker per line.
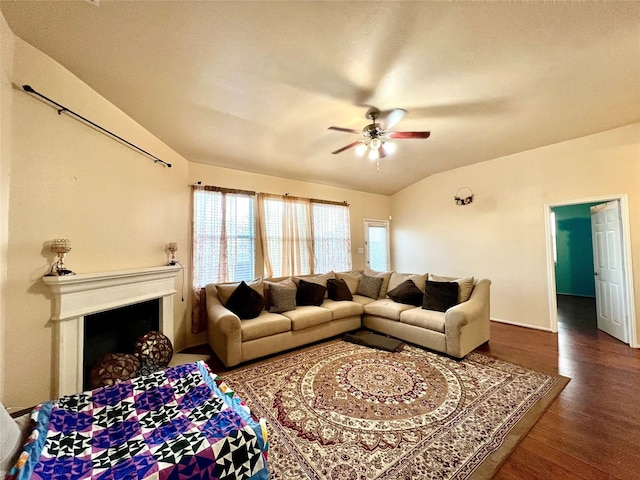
pixel 62 109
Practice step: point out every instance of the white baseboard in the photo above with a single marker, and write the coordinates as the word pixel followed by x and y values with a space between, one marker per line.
pixel 534 327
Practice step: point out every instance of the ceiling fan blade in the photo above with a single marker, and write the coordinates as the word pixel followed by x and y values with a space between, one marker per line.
pixel 348 130
pixel 381 152
pixel 409 134
pixel 347 147
pixel 389 118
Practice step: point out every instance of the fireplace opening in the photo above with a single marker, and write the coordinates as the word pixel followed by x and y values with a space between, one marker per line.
pixel 116 331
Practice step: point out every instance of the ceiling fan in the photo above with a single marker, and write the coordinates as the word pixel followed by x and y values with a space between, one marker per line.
pixel 376 135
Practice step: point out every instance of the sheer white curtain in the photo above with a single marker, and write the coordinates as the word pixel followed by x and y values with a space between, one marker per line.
pixel 223 241
pixel 286 233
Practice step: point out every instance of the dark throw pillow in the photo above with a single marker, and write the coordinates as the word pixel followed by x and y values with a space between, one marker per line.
pixel 440 296
pixel 310 293
pixel 283 298
pixel 407 293
pixel 369 286
pixel 245 302
pixel 338 290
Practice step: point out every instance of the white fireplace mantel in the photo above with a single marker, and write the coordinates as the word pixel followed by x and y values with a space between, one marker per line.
pixel 75 296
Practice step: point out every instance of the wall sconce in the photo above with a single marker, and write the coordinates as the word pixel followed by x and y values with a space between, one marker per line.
pixel 61 246
pixel 464 200
pixel 172 247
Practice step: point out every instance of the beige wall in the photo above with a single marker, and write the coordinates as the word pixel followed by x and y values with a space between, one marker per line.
pixel 501 235
pixel 6 67
pixel 117 207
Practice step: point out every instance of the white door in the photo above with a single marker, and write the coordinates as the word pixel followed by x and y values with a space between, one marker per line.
pixel 606 228
pixel 376 245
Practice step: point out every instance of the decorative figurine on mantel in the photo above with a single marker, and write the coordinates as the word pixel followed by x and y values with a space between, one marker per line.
pixel 61 246
pixel 172 247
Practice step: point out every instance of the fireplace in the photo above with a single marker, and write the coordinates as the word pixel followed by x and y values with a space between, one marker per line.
pixel 79 299
pixel 116 331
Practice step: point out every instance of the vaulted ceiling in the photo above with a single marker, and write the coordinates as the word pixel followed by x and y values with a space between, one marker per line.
pixel 254 85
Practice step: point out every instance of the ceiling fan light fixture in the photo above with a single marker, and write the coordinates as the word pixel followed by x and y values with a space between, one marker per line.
pixel 389 147
pixel 375 144
pixel 373 154
pixel 361 149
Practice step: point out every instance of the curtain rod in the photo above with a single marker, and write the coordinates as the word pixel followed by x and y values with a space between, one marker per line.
pixel 63 109
pixel 214 188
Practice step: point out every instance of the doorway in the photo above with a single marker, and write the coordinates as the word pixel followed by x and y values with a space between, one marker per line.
pixel 376 245
pixel 572 284
pixel 573 266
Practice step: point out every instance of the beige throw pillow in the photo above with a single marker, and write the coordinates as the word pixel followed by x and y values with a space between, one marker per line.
pixel 226 289
pixel 465 285
pixel 351 279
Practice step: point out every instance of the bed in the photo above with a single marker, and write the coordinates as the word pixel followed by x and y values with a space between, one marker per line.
pixel 178 423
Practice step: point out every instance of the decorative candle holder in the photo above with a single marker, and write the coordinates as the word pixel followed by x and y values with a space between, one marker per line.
pixel 172 247
pixel 61 246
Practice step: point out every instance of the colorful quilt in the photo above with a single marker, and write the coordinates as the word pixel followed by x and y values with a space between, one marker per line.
pixel 178 423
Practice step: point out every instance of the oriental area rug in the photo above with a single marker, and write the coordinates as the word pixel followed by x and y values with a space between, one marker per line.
pixel 340 411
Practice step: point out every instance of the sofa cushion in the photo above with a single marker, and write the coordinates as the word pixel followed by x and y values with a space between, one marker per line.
pixel 386 308
pixel 362 300
pixel 429 319
pixel 386 276
pixel 398 278
pixel 310 293
pixel 407 292
pixel 369 286
pixel 338 290
pixel 245 302
pixel 440 296
pixel 466 285
pixel 282 298
pixel 226 289
pixel 342 309
pixel 264 325
pixel 352 280
pixel 308 316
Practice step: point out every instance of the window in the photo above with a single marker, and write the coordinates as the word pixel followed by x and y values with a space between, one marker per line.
pixel 223 236
pixel 331 237
pixel 301 236
pixel 376 236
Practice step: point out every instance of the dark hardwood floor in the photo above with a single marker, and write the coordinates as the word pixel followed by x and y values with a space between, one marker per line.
pixel 592 430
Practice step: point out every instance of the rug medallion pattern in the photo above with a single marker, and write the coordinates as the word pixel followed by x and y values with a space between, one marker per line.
pixel 340 411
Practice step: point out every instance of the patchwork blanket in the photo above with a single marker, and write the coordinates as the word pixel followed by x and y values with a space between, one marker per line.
pixel 178 423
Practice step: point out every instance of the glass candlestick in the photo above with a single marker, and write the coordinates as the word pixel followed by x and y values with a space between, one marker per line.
pixel 61 246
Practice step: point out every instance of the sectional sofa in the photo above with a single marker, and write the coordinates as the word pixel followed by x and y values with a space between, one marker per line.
pixel 253 319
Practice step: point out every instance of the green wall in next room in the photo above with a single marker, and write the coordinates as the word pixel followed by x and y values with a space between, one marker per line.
pixel 574 246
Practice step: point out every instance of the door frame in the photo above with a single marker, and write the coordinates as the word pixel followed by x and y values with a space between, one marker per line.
pixel 373 221
pixel 626 252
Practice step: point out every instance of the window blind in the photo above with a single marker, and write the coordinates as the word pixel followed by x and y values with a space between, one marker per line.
pixel 331 237
pixel 223 236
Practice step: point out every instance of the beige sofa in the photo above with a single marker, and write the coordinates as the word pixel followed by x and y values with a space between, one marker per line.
pixel 454 332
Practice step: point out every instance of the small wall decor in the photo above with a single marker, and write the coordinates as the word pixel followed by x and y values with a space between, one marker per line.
pixel 466 200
